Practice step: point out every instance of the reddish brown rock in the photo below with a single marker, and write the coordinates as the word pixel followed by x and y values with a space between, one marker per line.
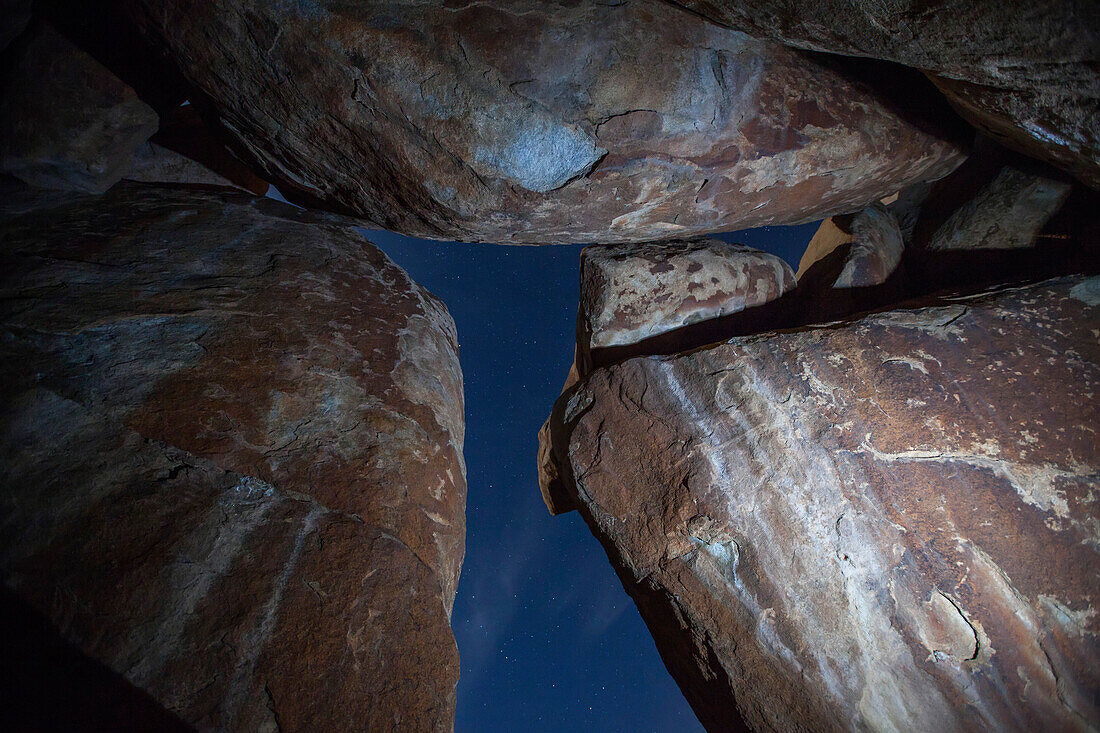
pixel 633 292
pixel 1026 73
pixel 1008 213
pixel 154 163
pixel 231 436
pixel 541 122
pixel 873 247
pixel 889 524
pixel 66 122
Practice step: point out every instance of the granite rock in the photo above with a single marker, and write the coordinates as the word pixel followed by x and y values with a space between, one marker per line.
pixel 541 122
pixel 66 122
pixel 231 437
pixel 883 524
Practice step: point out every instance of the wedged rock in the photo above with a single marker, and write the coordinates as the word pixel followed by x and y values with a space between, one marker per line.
pixel 873 242
pixel 231 437
pixel 154 163
pixel 541 122
pixel 633 292
pixel 886 524
pixel 1023 72
pixel 1008 213
pixel 66 122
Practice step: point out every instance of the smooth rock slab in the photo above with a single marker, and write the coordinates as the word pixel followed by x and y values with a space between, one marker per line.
pixel 1026 73
pixel 541 122
pixel 1008 213
pixel 231 469
pixel 66 121
pixel 887 524
pixel 633 292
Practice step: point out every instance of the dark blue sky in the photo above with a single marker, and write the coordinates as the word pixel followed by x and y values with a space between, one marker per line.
pixel 549 639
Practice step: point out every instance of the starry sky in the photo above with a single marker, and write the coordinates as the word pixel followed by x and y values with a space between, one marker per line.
pixel 548 638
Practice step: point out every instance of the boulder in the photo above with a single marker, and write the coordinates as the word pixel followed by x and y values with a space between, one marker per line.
pixel 1023 72
pixel 873 247
pixel 1008 213
pixel 883 524
pixel 634 292
pixel 156 164
pixel 67 122
pixel 541 122
pixel 230 452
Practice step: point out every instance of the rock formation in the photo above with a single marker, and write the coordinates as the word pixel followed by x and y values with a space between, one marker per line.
pixel 630 293
pixel 1008 213
pixel 888 524
pixel 66 122
pixel 538 122
pixel 874 246
pixel 231 437
pixel 1026 73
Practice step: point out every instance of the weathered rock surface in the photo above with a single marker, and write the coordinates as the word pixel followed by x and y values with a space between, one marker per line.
pixel 156 164
pixel 1008 213
pixel 874 247
pixel 66 122
pixel 632 292
pixel 541 122
pixel 231 436
pixel 1027 73
pixel 889 524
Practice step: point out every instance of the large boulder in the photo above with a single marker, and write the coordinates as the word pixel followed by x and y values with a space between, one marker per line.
pixel 541 122
pixel 230 453
pixel 1025 72
pixel 66 122
pixel 886 524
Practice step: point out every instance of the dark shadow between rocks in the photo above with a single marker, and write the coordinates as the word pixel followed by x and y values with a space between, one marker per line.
pixel 52 686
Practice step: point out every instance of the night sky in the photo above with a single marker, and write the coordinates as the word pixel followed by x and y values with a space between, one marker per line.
pixel 549 639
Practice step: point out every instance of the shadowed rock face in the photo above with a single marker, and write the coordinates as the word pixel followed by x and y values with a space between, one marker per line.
pixel 540 122
pixel 633 292
pixel 1008 213
pixel 1026 73
pixel 886 524
pixel 231 437
pixel 66 122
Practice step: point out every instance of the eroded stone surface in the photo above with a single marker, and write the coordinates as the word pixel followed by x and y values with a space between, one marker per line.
pixel 632 292
pixel 889 524
pixel 66 122
pixel 1024 72
pixel 1008 213
pixel 231 436
pixel 541 122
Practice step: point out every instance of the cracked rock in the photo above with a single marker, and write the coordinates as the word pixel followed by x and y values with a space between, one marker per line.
pixel 542 122
pixel 230 452
pixel 883 524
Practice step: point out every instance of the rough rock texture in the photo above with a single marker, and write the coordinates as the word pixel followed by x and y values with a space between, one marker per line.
pixel 888 524
pixel 231 440
pixel 156 164
pixel 1008 213
pixel 874 246
pixel 1027 73
pixel 66 122
pixel 541 122
pixel 631 292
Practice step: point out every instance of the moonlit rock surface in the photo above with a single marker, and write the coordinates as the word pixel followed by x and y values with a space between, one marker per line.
pixel 632 292
pixel 1023 71
pixel 1007 213
pixel 885 524
pixel 230 452
pixel 518 121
